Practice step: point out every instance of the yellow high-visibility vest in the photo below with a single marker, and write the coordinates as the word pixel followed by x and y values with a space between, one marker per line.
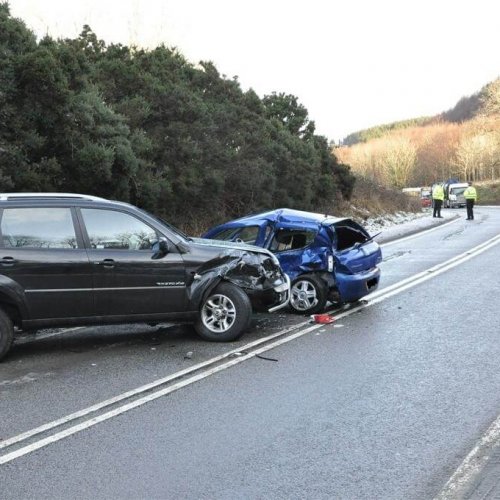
pixel 470 193
pixel 438 193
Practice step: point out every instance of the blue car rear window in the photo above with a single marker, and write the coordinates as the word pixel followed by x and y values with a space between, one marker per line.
pixel 291 240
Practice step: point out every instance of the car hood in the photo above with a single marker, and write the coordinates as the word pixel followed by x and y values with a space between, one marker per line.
pixel 221 244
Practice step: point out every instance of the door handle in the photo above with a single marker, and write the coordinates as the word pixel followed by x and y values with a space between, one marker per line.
pixel 8 261
pixel 105 263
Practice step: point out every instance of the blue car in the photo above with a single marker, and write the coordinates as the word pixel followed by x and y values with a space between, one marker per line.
pixel 327 258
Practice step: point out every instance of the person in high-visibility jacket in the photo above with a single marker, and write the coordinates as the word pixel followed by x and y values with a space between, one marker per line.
pixel 437 198
pixel 470 196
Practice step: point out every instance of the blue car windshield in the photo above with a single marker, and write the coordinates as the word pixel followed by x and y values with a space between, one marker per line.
pixel 241 234
pixel 226 234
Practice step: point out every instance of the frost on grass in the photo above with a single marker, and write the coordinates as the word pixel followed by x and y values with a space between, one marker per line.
pixel 381 222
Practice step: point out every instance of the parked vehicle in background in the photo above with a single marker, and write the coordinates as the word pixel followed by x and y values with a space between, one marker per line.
pixel 423 193
pixel 70 259
pixel 426 198
pixel 454 194
pixel 326 258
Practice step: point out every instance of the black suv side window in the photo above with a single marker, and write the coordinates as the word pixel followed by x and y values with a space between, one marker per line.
pixel 40 227
pixel 109 229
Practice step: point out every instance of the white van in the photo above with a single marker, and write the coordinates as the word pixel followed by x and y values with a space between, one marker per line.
pixel 454 195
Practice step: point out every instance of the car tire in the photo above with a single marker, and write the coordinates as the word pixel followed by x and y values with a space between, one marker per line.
pixel 6 333
pixel 225 314
pixel 308 295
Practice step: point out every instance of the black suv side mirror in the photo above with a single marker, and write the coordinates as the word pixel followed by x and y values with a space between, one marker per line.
pixel 161 248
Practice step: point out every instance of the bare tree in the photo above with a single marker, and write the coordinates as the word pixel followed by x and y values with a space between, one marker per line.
pixel 478 154
pixel 398 161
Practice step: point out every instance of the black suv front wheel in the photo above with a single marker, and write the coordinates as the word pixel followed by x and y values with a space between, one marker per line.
pixel 225 314
pixel 6 333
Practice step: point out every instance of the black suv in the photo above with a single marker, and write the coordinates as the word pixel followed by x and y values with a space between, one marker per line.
pixel 69 259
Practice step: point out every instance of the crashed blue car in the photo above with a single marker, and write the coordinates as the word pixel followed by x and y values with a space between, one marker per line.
pixel 326 258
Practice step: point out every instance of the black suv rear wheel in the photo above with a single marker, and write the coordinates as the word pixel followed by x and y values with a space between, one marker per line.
pixel 224 314
pixel 6 333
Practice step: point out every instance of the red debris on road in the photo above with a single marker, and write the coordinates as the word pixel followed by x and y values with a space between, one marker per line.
pixel 322 318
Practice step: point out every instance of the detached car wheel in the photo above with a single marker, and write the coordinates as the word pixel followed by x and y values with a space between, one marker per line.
pixel 225 314
pixel 308 295
pixel 6 333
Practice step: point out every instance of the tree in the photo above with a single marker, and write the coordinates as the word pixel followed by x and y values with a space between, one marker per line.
pixel 15 130
pixel 436 148
pixel 478 155
pixel 490 98
pixel 289 112
pixel 149 127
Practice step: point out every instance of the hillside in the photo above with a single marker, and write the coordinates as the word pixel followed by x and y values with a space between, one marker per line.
pixel 463 142
pixel 483 103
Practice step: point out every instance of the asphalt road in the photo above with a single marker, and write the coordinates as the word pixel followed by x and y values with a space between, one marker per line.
pixel 383 403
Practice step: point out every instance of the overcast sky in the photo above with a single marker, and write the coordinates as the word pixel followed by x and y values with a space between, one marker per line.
pixel 352 63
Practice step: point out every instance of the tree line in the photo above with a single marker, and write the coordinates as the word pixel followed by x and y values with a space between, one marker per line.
pixel 462 143
pixel 149 127
pixel 381 130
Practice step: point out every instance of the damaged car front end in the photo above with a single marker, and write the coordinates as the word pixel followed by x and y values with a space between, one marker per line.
pixel 326 258
pixel 225 282
pixel 256 271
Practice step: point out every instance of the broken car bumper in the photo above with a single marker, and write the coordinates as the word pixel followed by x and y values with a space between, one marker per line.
pixel 283 291
pixel 353 287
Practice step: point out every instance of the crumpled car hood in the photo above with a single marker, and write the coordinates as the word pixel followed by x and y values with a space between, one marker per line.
pixel 222 244
pixel 246 266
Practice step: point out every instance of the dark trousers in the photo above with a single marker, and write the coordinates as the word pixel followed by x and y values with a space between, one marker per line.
pixel 437 208
pixel 470 209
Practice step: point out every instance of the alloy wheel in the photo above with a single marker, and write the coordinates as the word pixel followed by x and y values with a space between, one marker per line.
pixel 304 295
pixel 218 313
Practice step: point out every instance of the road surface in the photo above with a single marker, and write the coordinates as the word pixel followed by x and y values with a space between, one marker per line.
pixel 386 402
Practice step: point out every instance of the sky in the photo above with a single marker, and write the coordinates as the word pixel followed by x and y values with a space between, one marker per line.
pixel 353 63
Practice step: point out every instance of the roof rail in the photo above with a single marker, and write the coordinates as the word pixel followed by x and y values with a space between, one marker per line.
pixel 46 196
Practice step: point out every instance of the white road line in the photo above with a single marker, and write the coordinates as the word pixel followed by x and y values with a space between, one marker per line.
pixel 373 299
pixel 472 464
pixel 438 269
pixel 141 389
pixel 419 233
pixel 146 399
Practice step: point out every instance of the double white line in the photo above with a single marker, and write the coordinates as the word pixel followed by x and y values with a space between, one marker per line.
pixel 135 398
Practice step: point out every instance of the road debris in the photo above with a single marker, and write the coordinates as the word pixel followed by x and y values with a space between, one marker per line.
pixel 322 318
pixel 264 357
